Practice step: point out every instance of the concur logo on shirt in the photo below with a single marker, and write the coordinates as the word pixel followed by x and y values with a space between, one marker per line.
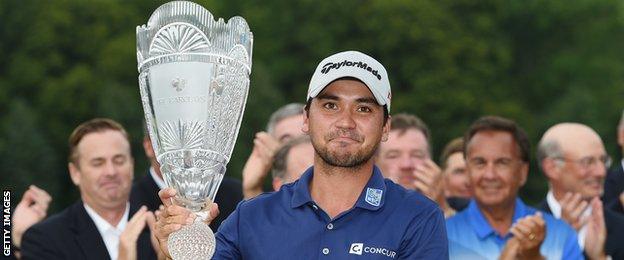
pixel 359 249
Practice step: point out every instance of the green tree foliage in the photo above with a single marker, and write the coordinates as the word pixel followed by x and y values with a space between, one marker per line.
pixel 538 62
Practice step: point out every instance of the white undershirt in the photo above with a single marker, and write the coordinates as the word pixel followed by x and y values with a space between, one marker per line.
pixel 159 181
pixel 555 208
pixel 109 234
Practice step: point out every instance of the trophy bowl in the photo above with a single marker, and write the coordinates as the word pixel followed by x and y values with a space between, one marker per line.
pixel 194 80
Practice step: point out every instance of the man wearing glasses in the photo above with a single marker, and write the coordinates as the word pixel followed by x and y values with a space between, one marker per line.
pixel 573 158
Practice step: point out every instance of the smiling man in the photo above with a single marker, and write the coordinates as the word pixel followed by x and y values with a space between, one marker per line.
pixel 341 207
pixel 103 224
pixel 497 224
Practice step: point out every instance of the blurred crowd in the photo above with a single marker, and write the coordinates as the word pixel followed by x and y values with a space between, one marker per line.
pixel 475 183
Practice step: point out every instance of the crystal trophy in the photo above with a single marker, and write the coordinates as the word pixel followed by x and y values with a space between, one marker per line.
pixel 194 79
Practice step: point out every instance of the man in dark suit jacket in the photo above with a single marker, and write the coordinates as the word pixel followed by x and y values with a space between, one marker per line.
pixel 99 225
pixel 614 184
pixel 72 234
pixel 614 188
pixel 573 158
pixel 145 190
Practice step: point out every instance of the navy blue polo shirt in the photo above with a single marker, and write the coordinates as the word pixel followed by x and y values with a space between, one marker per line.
pixel 387 222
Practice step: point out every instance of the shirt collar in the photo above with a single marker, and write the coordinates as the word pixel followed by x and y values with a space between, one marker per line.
pixel 480 224
pixel 159 181
pixel 102 225
pixel 374 193
pixel 301 189
pixel 371 198
pixel 553 204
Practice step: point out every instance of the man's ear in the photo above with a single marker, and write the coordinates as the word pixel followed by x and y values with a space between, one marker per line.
pixel 550 168
pixel 524 173
pixel 277 183
pixel 306 122
pixel 386 129
pixel 74 173
pixel 148 148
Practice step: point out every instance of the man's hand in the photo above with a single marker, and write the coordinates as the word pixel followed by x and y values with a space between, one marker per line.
pixel 596 232
pixel 31 209
pixel 173 217
pixel 530 232
pixel 154 241
pixel 429 180
pixel 510 251
pixel 259 164
pixel 130 235
pixel 572 208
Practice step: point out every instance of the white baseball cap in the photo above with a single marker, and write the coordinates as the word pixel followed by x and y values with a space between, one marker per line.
pixel 352 64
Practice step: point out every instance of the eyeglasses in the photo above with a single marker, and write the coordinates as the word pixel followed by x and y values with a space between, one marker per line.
pixel 588 162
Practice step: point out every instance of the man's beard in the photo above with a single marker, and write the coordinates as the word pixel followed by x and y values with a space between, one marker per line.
pixel 346 160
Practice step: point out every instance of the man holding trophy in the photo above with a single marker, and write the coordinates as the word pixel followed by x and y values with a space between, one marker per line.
pixel 342 205
pixel 194 80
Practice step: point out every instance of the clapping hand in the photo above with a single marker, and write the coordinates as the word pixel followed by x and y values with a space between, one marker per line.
pixel 530 232
pixel 259 164
pixel 572 207
pixel 31 209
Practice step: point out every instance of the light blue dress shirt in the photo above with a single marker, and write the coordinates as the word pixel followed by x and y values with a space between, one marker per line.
pixel 471 236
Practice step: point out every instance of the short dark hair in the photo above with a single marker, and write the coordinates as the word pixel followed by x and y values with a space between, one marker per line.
pixel 403 121
pixel 95 125
pixel 496 123
pixel 454 146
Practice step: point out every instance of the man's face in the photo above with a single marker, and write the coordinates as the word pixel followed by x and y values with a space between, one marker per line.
pixel 495 168
pixel 456 177
pixel 345 124
pixel 104 169
pixel 582 170
pixel 401 154
pixel 299 159
pixel 288 128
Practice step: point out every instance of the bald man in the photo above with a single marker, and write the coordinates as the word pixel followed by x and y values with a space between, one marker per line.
pixel 573 158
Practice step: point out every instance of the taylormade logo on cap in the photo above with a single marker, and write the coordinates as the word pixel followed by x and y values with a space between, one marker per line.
pixel 330 65
pixel 352 64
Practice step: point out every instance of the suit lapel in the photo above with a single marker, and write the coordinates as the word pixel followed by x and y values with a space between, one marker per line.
pixel 87 236
pixel 544 207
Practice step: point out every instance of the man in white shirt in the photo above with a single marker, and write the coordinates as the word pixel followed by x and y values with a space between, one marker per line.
pixel 97 226
pixel 573 158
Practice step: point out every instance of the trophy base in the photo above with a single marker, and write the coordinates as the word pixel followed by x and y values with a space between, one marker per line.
pixel 194 241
